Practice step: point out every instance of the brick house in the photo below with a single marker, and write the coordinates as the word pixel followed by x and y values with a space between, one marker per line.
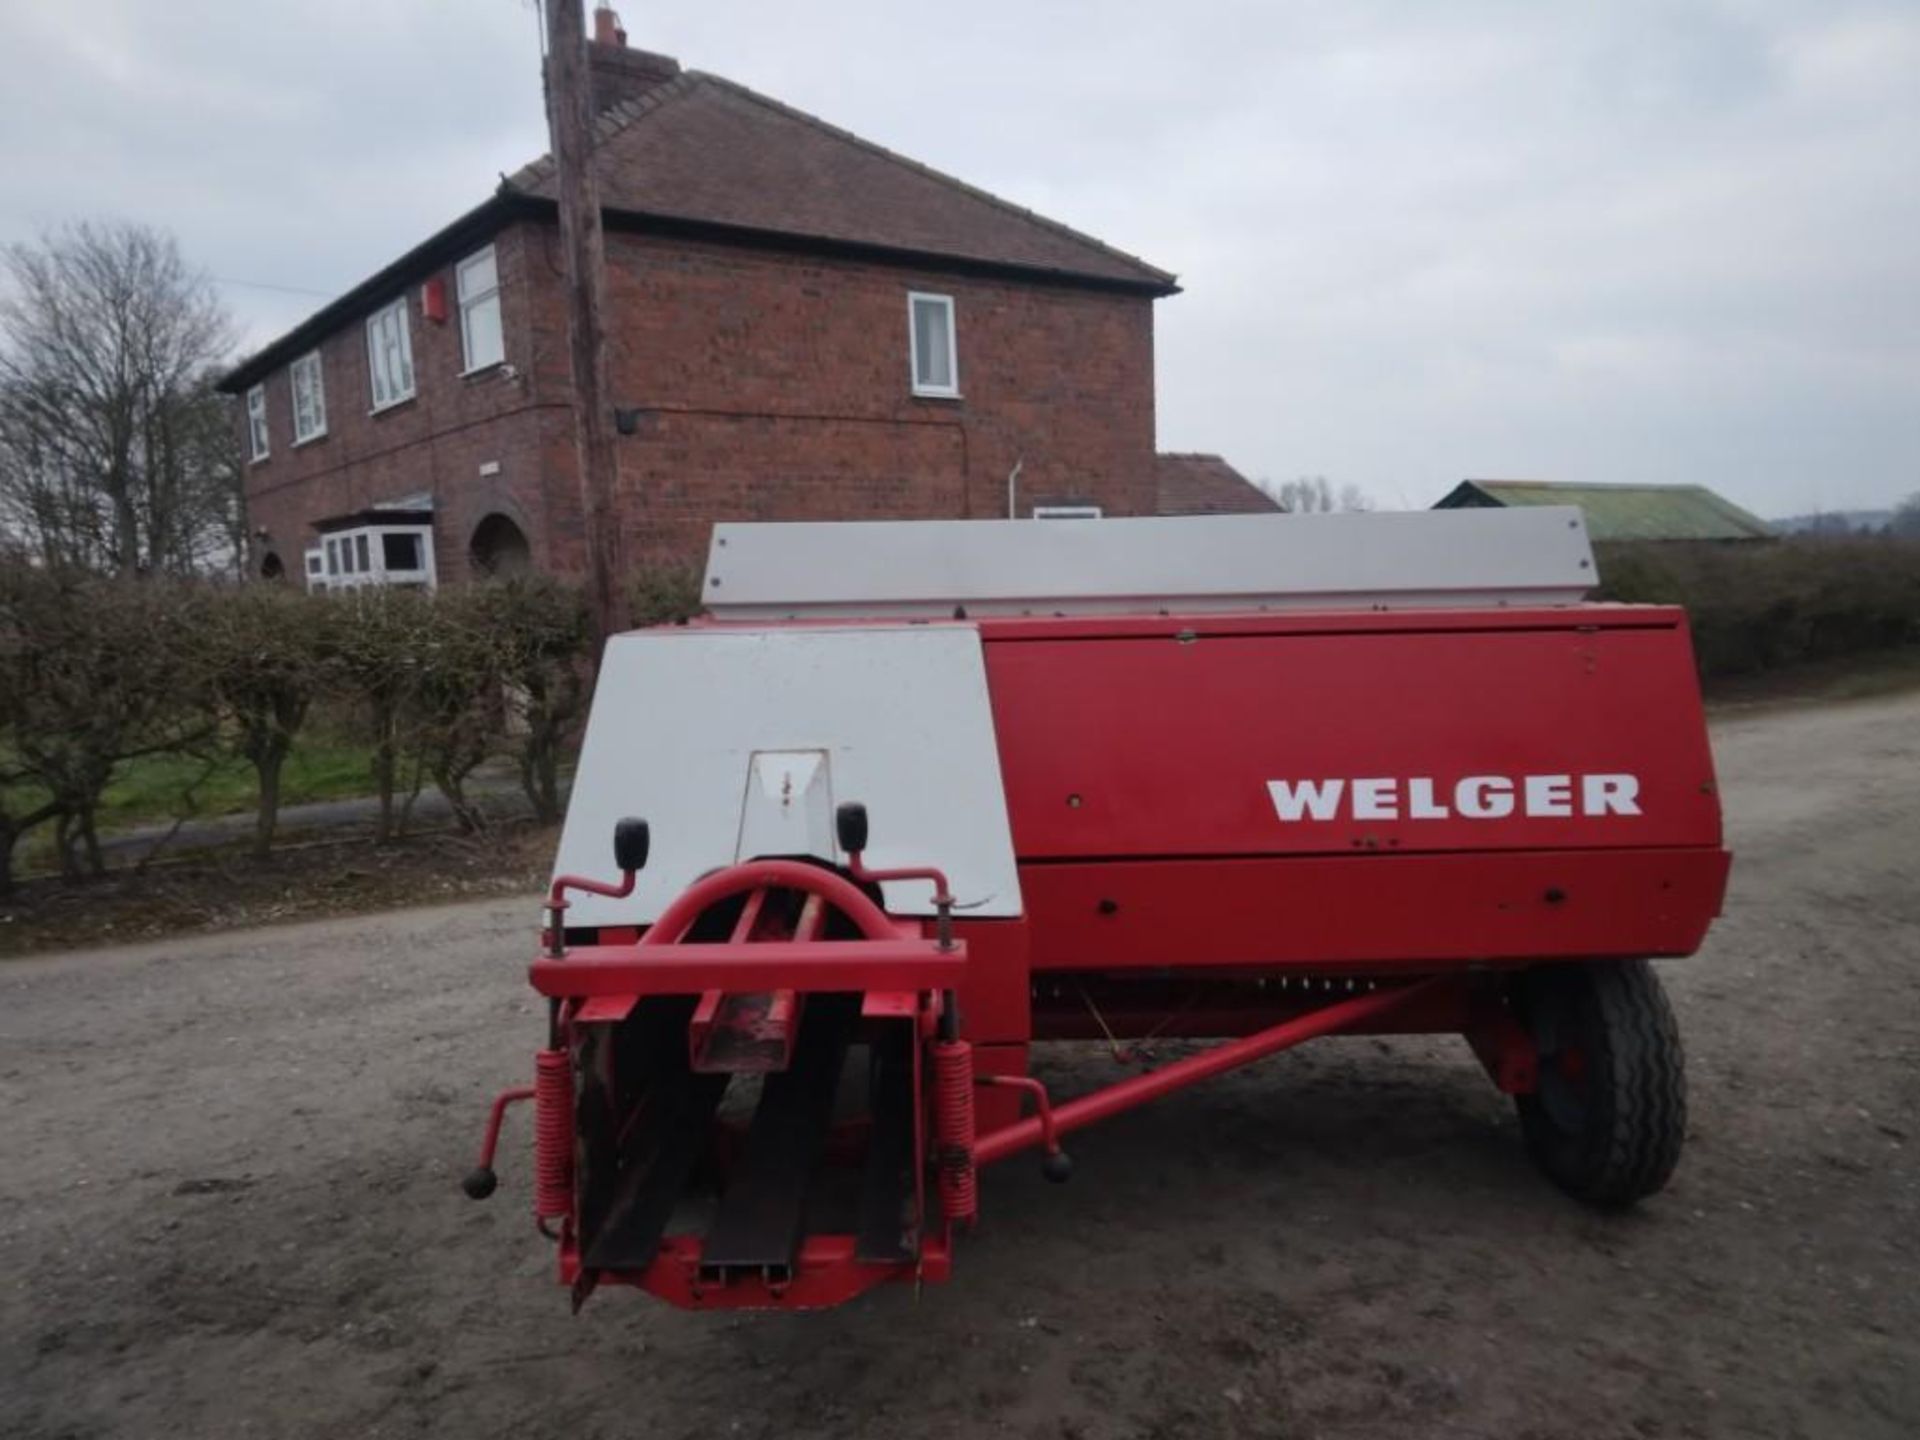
pixel 802 325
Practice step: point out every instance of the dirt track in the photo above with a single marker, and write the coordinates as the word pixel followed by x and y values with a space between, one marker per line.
pixel 228 1204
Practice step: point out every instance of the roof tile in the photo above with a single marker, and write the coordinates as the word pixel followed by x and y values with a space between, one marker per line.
pixel 702 148
pixel 1206 485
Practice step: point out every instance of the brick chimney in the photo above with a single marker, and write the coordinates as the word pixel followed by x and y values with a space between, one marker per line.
pixel 615 71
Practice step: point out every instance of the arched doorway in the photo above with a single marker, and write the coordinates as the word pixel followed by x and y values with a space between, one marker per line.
pixel 271 568
pixel 499 547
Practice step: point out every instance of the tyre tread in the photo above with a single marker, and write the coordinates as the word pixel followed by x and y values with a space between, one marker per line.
pixel 1641 1108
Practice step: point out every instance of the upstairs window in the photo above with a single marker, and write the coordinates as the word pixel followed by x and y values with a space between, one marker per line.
pixel 309 398
pixel 257 422
pixel 477 281
pixel 936 368
pixel 390 355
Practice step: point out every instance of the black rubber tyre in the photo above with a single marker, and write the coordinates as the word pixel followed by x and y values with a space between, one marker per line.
pixel 1608 1118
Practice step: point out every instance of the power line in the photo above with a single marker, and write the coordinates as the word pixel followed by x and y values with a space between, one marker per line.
pixel 269 285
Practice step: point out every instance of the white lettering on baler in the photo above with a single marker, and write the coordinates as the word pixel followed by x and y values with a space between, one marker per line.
pixel 1549 794
pixel 1610 794
pixel 1474 797
pixel 1484 797
pixel 1311 799
pixel 1375 800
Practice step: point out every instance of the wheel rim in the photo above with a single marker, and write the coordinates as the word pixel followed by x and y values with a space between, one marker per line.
pixel 1565 1084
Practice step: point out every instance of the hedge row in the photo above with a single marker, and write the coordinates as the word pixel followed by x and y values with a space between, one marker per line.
pixel 96 674
pixel 1761 607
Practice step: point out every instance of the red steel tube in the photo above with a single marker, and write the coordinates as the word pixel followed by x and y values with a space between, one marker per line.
pixel 1111 1100
pixel 557 895
pixel 836 890
pixel 942 892
pixel 490 1142
pixel 1043 1105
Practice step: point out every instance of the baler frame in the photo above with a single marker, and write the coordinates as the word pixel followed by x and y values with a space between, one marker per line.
pixel 1411 788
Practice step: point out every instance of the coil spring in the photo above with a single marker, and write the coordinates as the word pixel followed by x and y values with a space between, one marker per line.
pixel 552 1135
pixel 953 1128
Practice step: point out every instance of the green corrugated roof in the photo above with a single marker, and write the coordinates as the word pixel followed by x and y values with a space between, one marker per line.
pixel 1624 512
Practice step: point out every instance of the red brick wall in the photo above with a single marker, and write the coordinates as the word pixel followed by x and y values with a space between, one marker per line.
pixel 772 387
pixel 435 443
pixel 779 387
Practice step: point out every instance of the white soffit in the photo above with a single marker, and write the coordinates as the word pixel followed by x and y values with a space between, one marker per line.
pixel 1536 555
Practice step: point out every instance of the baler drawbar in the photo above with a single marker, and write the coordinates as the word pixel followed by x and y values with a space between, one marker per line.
pixel 1259 780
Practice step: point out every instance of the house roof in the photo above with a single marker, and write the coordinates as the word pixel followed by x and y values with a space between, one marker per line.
pixel 702 156
pixel 1624 512
pixel 1192 484
pixel 702 148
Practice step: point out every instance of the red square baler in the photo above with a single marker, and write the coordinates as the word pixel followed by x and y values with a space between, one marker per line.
pixel 920 797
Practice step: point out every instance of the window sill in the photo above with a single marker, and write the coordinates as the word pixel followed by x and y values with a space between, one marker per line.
pixel 393 404
pixel 922 393
pixel 253 460
pixel 479 370
pixel 311 439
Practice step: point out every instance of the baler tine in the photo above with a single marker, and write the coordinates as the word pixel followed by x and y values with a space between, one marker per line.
pixel 1166 716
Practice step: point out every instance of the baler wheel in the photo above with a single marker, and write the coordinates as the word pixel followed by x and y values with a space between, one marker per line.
pixel 1609 1114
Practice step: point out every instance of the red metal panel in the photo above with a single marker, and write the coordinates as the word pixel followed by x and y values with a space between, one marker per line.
pixel 1320 622
pixel 1371 911
pixel 827 1273
pixel 1167 743
pixel 606 1009
pixel 994 1002
pixel 848 965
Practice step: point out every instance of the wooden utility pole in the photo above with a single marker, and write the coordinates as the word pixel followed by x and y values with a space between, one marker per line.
pixel 582 238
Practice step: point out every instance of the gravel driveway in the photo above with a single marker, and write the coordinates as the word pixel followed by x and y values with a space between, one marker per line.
pixel 229 1204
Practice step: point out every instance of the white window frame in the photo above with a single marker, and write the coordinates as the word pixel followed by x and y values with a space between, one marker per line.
pixel 309 365
pixel 259 440
pixel 314 570
pixel 1068 512
pixel 950 391
pixel 340 568
pixel 375 321
pixel 470 303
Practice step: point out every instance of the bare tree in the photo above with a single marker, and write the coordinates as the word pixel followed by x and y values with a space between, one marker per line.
pixel 96 677
pixel 116 455
pixel 1314 495
pixel 266 653
pixel 1307 495
pixel 1906 516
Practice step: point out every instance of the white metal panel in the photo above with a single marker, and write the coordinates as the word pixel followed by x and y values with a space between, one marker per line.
pixel 705 732
pixel 1536 555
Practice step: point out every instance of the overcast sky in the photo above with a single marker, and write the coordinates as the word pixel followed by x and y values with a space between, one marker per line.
pixel 1607 241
